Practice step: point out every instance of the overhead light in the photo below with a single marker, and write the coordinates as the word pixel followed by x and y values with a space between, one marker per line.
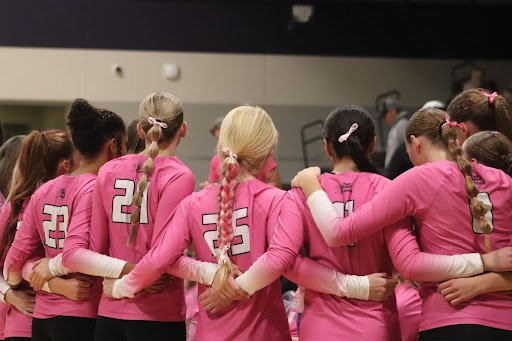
pixel 302 13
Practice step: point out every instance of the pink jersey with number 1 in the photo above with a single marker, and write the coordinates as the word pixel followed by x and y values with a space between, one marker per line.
pixel 44 226
pixel 169 182
pixel 435 195
pixel 16 323
pixel 255 215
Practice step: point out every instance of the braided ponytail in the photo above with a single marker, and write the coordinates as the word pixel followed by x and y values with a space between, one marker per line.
pixel 154 134
pixel 228 184
pixel 160 116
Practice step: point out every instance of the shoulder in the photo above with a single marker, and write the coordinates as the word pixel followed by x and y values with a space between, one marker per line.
pixel 173 168
pixel 120 164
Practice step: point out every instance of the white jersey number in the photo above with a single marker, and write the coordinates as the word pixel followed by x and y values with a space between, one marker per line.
pixel 121 201
pixel 345 209
pixel 55 229
pixel 241 241
pixel 486 200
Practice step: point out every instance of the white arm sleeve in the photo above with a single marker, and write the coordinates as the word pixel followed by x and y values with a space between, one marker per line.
pixel 325 215
pixel 56 268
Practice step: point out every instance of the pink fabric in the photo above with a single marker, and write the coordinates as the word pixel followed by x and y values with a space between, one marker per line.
pixel 255 214
pixel 215 171
pixel 16 324
pixel 293 313
pixel 170 182
pixel 434 194
pixel 192 310
pixel 44 227
pixel 408 303
pixel 2 201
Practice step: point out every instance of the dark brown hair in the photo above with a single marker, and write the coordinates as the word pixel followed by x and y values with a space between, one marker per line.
pixel 8 157
pixel 356 147
pixel 490 148
pixel 429 123
pixel 37 163
pixel 473 105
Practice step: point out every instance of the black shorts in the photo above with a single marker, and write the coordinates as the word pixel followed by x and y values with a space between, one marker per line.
pixel 465 332
pixel 109 329
pixel 63 328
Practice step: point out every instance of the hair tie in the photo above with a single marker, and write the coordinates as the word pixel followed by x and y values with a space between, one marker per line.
pixel 42 136
pixel 451 141
pixel 490 97
pixel 231 156
pixel 450 123
pixel 156 121
pixel 223 258
pixel 345 136
pixel 459 157
pixel 481 217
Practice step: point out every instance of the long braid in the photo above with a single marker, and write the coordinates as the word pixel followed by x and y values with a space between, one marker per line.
pixel 478 209
pixel 154 134
pixel 227 194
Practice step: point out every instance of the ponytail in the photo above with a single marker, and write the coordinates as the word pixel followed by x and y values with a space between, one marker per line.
pixel 227 194
pixel 360 156
pixel 154 134
pixel 478 209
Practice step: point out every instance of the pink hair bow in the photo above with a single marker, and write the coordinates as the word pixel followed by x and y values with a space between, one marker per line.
pixel 223 258
pixel 450 123
pixel 231 156
pixel 491 97
pixel 345 137
pixel 156 121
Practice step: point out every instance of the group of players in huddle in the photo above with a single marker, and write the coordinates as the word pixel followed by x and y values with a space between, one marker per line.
pixel 100 234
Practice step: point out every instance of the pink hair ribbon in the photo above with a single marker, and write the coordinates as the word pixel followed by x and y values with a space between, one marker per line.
pixel 491 97
pixel 231 156
pixel 450 123
pixel 223 258
pixel 155 121
pixel 345 137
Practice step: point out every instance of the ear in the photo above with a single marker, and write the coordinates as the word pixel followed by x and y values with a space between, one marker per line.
pixel 328 149
pixel 474 160
pixel 140 131
pixel 183 129
pixel 112 146
pixel 416 143
pixel 372 146
pixel 465 130
pixel 64 167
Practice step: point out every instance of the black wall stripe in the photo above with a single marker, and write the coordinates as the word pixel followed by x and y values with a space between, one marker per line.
pixel 364 28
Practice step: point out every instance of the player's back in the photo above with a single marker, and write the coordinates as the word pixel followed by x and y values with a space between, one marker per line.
pixel 168 183
pixel 441 208
pixel 51 209
pixel 328 316
pixel 254 217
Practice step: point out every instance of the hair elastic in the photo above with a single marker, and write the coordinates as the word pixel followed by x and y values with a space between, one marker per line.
pixel 231 156
pixel 490 97
pixel 345 136
pixel 155 121
pixel 450 123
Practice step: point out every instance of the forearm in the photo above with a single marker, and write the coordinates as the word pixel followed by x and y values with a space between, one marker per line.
pixel 92 263
pixel 312 275
pixel 493 282
pixel 193 270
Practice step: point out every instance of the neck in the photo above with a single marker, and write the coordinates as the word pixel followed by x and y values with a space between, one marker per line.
pixel 244 175
pixel 436 154
pixel 167 149
pixel 91 166
pixel 344 165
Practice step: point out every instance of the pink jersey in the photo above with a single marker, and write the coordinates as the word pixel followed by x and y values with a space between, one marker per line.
pixel 192 310
pixel 434 194
pixel 169 182
pixel 215 170
pixel 255 214
pixel 408 302
pixel 327 316
pixel 44 227
pixel 16 323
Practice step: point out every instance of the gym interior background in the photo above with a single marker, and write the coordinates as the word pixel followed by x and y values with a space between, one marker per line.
pixel 298 60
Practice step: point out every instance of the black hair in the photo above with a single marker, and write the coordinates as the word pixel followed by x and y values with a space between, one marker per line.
pixel 356 147
pixel 91 128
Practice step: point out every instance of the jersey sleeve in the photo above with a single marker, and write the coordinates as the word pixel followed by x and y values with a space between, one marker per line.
pixel 173 193
pixel 168 248
pixel 89 229
pixel 286 240
pixel 387 207
pixel 415 265
pixel 25 244
pixel 214 175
